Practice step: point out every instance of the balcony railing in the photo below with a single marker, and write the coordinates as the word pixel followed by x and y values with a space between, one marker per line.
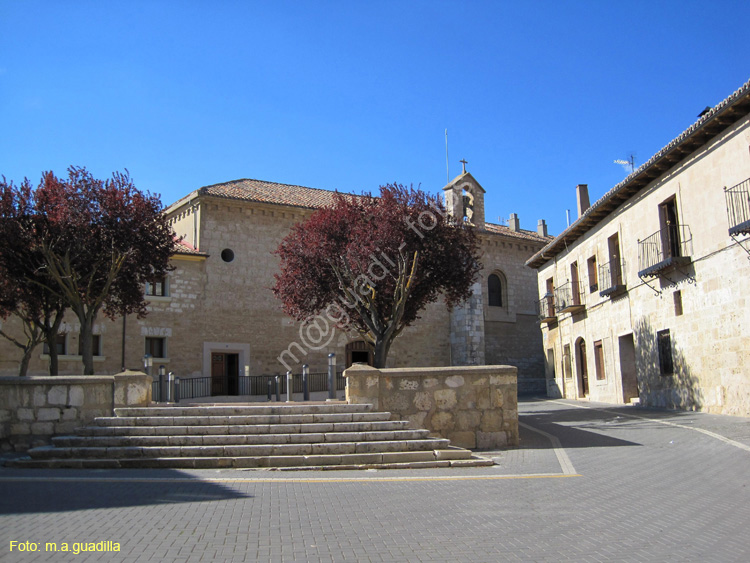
pixel 738 208
pixel 611 279
pixel 547 308
pixel 569 298
pixel 665 249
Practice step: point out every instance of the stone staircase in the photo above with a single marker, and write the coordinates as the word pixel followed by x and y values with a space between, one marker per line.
pixel 280 436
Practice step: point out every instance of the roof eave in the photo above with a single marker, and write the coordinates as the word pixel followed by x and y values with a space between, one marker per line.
pixel 728 112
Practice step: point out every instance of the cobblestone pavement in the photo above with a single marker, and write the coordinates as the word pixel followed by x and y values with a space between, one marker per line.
pixel 590 482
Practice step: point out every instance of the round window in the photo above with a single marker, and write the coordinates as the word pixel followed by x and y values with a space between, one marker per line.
pixel 227 255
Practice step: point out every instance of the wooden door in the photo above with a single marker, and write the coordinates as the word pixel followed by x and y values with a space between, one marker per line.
pixel 218 374
pixel 574 284
pixel 670 230
pixel 583 372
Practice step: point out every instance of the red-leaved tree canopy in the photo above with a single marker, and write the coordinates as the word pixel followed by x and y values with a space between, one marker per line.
pixel 371 264
pixel 88 244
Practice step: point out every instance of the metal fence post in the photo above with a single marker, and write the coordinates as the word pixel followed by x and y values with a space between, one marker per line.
pixel 163 394
pixel 305 388
pixel 278 389
pixel 170 387
pixel 331 376
pixel 270 387
pixel 289 385
pixel 176 389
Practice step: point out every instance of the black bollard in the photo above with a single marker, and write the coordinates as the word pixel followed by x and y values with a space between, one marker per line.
pixel 305 388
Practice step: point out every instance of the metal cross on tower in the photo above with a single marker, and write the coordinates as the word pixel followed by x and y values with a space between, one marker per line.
pixel 464 162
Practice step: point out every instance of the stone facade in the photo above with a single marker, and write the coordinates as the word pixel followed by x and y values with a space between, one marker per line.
pixel 218 302
pixel 643 297
pixel 473 406
pixel 33 409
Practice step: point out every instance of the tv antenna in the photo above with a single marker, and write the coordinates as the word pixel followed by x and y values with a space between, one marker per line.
pixel 627 164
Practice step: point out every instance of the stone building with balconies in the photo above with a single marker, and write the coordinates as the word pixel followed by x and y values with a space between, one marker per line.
pixel 644 296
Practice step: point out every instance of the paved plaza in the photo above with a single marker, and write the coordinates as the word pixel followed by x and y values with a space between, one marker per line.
pixel 590 482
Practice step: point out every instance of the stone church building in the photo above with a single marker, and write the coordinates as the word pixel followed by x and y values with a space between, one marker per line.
pixel 215 314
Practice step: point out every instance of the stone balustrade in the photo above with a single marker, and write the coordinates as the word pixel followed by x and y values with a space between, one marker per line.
pixel 35 408
pixel 474 407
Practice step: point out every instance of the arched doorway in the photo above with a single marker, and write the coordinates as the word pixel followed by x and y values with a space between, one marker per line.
pixel 581 367
pixel 358 352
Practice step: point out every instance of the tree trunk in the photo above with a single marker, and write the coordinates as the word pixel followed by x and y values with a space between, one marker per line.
pixel 50 335
pixel 54 368
pixel 87 351
pixel 380 355
pixel 23 367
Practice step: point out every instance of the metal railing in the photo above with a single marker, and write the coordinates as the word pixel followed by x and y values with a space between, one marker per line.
pixel 195 387
pixel 611 276
pixel 738 207
pixel 568 297
pixel 547 308
pixel 664 248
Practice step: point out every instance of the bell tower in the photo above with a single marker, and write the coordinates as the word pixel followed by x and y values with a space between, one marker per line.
pixel 464 198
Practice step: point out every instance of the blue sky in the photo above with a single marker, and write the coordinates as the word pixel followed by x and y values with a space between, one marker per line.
pixel 348 95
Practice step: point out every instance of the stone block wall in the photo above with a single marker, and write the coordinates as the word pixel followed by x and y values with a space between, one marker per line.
pixel 473 406
pixel 33 409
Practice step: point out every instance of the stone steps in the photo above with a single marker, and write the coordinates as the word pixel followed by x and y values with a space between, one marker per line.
pixel 279 436
pixel 244 429
pixel 233 410
pixel 234 439
pixel 325 448
pixel 389 460
pixel 211 420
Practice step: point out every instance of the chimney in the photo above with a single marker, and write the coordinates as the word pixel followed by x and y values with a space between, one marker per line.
pixel 541 228
pixel 514 223
pixel 582 197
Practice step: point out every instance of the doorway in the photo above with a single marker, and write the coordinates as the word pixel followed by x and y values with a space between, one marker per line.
pixel 358 352
pixel 583 372
pixel 225 374
pixel 627 368
pixel 670 230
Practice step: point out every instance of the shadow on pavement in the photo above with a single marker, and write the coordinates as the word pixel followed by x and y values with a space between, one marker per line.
pixel 45 491
pixel 574 427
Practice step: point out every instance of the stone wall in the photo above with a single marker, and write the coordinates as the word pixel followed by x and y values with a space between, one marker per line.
pixel 511 331
pixel 473 406
pixel 33 409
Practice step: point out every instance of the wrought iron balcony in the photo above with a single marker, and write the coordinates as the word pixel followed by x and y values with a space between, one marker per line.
pixel 738 208
pixel 569 298
pixel 547 308
pixel 665 249
pixel 611 279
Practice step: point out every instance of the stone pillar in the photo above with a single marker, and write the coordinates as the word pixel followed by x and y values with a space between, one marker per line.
pixel 131 389
pixel 467 330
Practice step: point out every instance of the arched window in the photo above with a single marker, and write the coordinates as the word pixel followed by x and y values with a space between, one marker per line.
pixel 495 293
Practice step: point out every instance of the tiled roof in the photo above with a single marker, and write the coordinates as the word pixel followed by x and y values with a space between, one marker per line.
pixel 270 192
pixel 523 234
pixel 729 111
pixel 313 198
pixel 185 248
